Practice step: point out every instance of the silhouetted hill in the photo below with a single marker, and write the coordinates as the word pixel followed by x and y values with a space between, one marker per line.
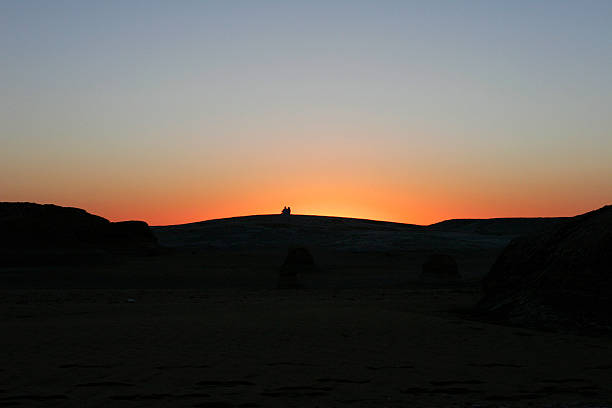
pixel 38 234
pixel 559 276
pixel 348 233
pixel 331 232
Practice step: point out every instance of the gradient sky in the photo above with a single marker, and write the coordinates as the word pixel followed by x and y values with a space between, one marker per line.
pixel 179 111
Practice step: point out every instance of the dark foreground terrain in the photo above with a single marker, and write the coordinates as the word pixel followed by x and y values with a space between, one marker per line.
pixel 201 323
pixel 225 348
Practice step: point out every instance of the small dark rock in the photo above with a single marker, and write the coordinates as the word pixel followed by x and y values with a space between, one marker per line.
pixel 298 261
pixel 440 268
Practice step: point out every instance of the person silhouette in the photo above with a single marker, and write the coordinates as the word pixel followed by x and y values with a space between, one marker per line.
pixel 288 210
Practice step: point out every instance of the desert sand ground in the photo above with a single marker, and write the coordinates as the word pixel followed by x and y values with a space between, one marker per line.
pixel 203 325
pixel 208 343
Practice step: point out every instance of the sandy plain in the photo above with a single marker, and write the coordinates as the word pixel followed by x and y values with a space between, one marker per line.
pixel 204 325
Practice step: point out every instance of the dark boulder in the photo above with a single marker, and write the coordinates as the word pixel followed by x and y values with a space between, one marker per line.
pixel 440 268
pixel 298 261
pixel 558 277
pixel 130 234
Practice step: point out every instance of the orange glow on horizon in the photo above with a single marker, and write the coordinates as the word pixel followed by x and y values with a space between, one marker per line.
pixel 420 191
pixel 377 207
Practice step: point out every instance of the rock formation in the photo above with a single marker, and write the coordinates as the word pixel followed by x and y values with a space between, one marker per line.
pixel 561 276
pixel 298 261
pixel 49 234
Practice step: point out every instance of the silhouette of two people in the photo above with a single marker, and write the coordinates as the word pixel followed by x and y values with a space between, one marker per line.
pixel 286 211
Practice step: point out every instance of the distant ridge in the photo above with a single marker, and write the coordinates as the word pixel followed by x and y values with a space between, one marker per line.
pixel 497 226
pixel 301 218
pixel 34 225
pixel 486 226
pixel 350 234
pixel 477 225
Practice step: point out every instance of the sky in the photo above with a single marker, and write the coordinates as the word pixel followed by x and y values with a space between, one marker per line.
pixel 409 111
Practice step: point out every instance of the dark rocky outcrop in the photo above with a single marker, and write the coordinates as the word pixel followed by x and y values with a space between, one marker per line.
pixel 558 277
pixel 130 234
pixel 440 268
pixel 35 234
pixel 298 261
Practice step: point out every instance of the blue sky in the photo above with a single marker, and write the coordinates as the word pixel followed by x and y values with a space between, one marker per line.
pixel 102 99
